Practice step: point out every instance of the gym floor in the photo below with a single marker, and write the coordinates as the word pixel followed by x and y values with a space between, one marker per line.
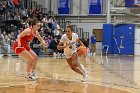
pixel 106 74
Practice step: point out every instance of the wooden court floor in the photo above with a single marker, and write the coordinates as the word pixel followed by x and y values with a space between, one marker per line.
pixel 106 74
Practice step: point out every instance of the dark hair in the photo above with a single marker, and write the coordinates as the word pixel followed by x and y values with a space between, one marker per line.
pixel 71 27
pixel 33 22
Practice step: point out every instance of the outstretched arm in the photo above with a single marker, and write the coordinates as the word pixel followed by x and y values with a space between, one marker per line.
pixel 40 39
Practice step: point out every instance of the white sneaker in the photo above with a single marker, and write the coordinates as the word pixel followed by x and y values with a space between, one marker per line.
pixel 84 73
pixel 83 69
pixel 54 55
pixel 30 77
pixel 33 74
pixel 94 54
pixel 84 78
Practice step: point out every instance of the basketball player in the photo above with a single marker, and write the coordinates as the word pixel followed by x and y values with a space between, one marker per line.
pixel 68 43
pixel 93 44
pixel 22 49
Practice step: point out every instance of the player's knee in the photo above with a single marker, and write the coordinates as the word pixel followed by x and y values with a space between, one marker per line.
pixel 74 64
pixel 36 58
pixel 31 59
pixel 72 67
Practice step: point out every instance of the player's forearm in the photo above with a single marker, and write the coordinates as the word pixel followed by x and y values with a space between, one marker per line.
pixel 41 40
pixel 60 47
pixel 18 39
pixel 81 44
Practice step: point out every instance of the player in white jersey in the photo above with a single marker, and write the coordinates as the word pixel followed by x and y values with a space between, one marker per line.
pixel 68 43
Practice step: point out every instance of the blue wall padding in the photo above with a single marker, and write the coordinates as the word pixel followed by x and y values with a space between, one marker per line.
pixel 129 3
pixel 126 31
pixel 107 36
pixel 120 32
pixel 95 6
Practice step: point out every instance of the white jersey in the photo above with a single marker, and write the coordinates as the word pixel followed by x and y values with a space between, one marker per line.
pixel 69 50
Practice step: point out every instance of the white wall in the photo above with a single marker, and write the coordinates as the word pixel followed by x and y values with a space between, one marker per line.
pixel 85 7
pixel 88 27
pixel 137 52
pixel 54 6
pixel 137 41
pixel 44 3
pixel 104 6
pixel 75 8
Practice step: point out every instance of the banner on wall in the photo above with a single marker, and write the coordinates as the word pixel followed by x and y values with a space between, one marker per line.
pixel 131 3
pixel 63 7
pixel 95 6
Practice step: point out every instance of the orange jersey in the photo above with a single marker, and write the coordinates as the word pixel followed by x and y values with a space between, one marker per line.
pixel 24 43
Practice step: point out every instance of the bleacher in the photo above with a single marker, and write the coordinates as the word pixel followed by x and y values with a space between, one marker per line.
pixel 10 24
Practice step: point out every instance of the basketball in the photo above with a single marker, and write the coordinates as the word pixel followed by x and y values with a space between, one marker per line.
pixel 81 50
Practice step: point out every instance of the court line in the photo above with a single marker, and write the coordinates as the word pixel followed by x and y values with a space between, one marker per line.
pixel 114 72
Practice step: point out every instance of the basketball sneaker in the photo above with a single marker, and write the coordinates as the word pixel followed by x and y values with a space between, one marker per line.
pixel 84 79
pixel 30 77
pixel 33 74
pixel 84 73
